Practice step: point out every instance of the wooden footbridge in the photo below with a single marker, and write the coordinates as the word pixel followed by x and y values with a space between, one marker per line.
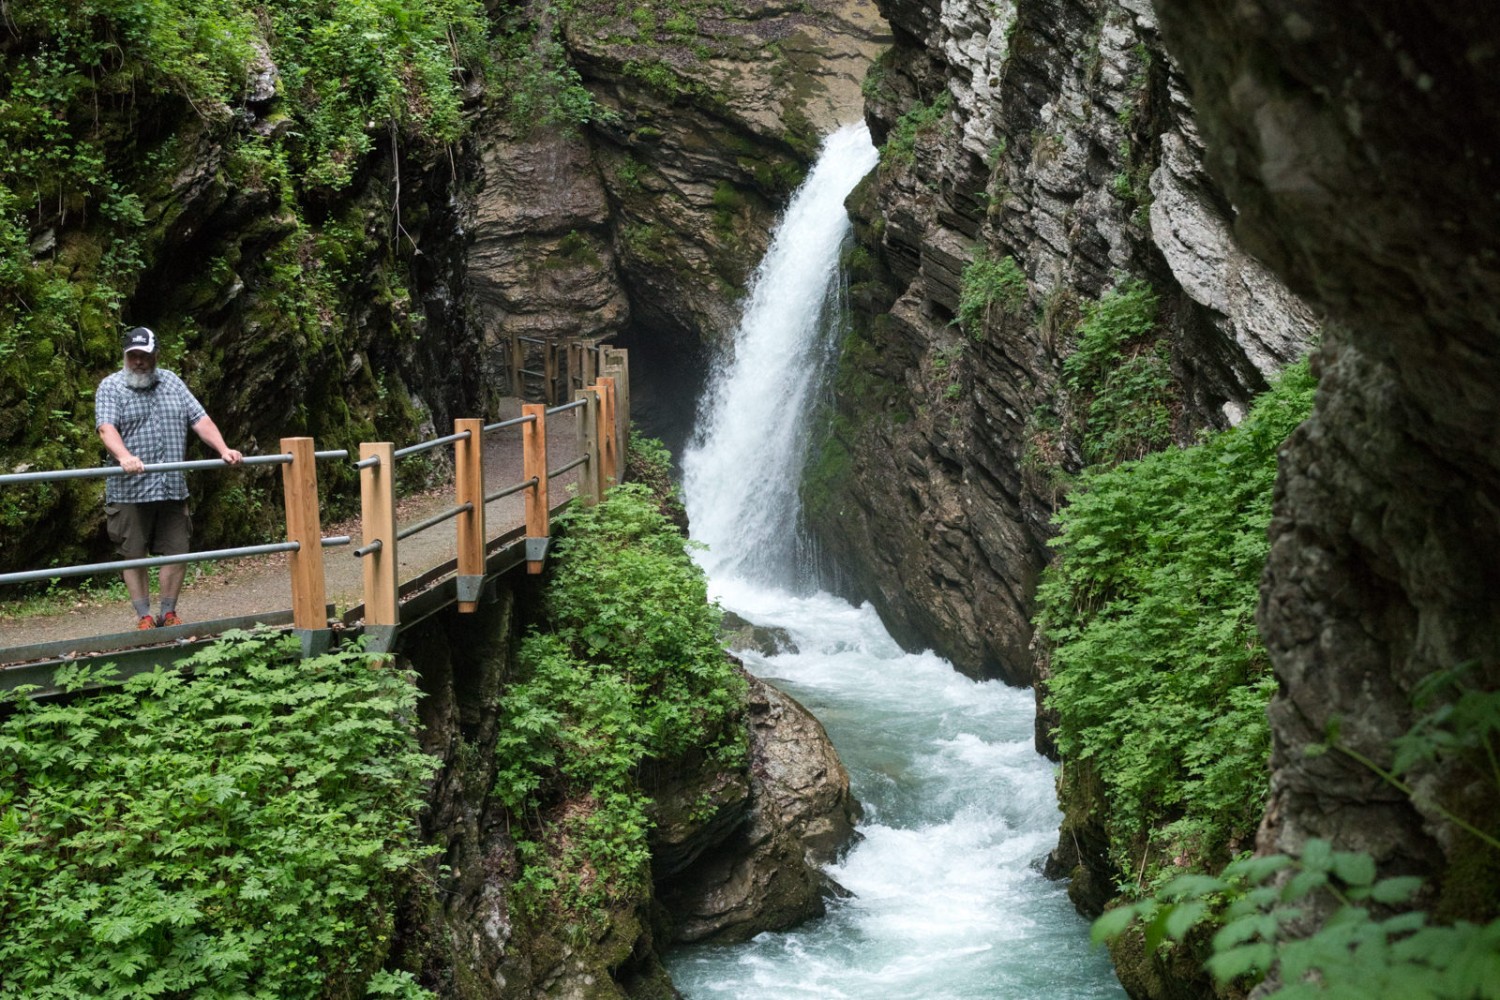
pixel 589 383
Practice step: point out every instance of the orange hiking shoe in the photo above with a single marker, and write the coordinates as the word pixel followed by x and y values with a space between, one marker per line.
pixel 169 619
pixel 146 622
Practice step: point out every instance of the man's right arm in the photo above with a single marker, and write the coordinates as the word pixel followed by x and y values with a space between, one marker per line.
pixel 115 445
pixel 105 409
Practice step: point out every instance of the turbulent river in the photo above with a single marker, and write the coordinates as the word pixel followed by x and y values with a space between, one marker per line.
pixel 948 902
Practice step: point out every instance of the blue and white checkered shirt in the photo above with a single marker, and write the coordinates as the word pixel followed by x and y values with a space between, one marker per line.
pixel 154 424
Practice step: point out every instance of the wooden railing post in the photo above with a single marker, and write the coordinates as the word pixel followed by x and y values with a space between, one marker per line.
pixel 468 466
pixel 534 465
pixel 590 365
pixel 299 483
pixel 517 362
pixel 377 502
pixel 609 453
pixel 549 373
pixel 617 366
pixel 588 445
pixel 576 352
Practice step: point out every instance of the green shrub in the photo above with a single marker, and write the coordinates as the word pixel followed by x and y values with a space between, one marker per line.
pixel 1158 679
pixel 1122 376
pixel 985 283
pixel 1258 907
pixel 627 670
pixel 236 828
pixel 901 144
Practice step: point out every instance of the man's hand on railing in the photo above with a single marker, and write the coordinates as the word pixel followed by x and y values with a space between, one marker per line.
pixel 231 456
pixel 132 465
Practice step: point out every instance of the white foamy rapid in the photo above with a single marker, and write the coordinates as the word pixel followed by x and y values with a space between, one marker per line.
pixel 948 903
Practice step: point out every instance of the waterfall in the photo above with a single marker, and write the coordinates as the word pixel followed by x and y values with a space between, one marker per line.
pixel 741 469
pixel 947 900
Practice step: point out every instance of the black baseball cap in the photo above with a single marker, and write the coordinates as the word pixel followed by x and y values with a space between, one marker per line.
pixel 140 339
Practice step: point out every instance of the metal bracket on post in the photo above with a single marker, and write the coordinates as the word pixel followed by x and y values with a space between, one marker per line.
pixel 536 549
pixel 315 641
pixel 381 638
pixel 470 588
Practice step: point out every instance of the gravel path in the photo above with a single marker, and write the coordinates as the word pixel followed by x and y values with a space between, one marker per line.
pixel 260 584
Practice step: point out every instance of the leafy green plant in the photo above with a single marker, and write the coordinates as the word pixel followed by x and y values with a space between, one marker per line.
pixel 627 670
pixel 901 144
pixel 986 283
pixel 1158 679
pixel 1262 907
pixel 1124 376
pixel 240 827
pixel 1356 953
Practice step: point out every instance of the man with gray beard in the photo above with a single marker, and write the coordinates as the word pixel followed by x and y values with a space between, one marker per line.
pixel 143 414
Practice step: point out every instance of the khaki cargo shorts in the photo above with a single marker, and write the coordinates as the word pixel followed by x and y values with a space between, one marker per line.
pixel 164 527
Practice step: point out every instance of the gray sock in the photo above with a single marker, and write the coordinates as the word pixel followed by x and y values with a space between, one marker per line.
pixel 168 604
pixel 142 606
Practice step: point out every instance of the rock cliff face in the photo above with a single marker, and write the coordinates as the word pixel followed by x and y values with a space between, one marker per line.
pixel 1362 158
pixel 1056 134
pixel 645 226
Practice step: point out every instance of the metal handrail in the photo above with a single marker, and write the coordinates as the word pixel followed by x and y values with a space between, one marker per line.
pixel 507 491
pixel 554 473
pixel 434 520
pixel 104 471
pixel 564 407
pixel 89 569
pixel 429 445
pixel 512 422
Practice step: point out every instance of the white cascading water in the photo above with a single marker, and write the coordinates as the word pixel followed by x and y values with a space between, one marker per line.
pixel 948 901
pixel 740 472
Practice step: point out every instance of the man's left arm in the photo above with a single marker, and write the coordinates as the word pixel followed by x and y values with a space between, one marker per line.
pixel 206 429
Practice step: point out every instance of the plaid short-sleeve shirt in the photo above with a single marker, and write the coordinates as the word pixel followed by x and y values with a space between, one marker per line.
pixel 153 424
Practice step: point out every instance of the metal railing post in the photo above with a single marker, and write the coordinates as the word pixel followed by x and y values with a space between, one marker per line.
pixel 468 464
pixel 299 483
pixel 377 501
pixel 534 466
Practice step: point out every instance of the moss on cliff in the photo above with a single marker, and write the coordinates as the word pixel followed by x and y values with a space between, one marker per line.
pixel 192 166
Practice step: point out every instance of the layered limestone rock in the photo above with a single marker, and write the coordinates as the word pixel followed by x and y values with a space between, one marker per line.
pixel 755 863
pixel 1361 155
pixel 647 223
pixel 1057 134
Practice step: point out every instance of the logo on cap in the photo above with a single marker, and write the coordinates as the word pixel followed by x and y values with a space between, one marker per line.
pixel 140 339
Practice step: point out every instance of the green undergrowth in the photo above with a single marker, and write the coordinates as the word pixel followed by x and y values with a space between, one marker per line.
pixel 1120 374
pixel 626 670
pixel 1369 940
pixel 900 147
pixel 125 125
pixel 241 827
pixel 988 283
pixel 1158 677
